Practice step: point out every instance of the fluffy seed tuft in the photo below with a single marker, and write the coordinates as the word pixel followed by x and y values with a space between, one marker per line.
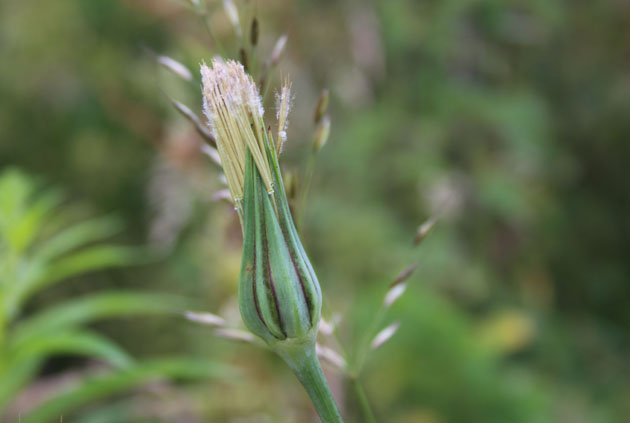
pixel 235 115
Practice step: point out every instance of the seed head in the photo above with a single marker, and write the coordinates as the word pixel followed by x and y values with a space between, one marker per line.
pixel 235 116
pixel 279 295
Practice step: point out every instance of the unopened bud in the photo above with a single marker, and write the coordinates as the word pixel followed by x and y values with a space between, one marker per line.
pixel 322 106
pixel 279 295
pixel 321 134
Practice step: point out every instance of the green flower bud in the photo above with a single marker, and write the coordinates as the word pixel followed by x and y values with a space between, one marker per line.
pixel 279 295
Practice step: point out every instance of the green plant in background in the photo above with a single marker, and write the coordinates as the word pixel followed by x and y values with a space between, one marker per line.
pixel 39 247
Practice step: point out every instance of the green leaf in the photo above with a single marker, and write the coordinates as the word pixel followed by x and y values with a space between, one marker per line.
pixel 102 386
pixel 14 377
pixel 83 343
pixel 94 258
pixel 20 217
pixel 90 259
pixel 97 306
pixel 76 236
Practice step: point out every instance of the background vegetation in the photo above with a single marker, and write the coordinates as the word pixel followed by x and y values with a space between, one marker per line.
pixel 507 119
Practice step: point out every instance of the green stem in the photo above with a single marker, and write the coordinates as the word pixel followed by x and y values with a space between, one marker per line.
pixel 302 359
pixel 364 404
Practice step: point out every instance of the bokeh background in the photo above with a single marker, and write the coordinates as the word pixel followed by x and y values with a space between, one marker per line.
pixel 505 119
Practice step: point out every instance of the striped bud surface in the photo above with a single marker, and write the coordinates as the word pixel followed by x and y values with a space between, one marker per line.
pixel 279 295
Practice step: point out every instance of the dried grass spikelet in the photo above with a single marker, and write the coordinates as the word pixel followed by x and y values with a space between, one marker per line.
pixel 235 116
pixel 283 106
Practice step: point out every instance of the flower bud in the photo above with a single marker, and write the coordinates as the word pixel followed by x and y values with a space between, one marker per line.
pixel 279 295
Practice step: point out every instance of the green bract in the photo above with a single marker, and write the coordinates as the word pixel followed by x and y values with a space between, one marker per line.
pixel 279 295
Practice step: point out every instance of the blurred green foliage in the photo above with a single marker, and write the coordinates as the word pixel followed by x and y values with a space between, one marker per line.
pixel 507 119
pixel 39 249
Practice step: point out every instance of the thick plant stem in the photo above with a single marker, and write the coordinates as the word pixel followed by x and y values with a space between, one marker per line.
pixel 302 359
